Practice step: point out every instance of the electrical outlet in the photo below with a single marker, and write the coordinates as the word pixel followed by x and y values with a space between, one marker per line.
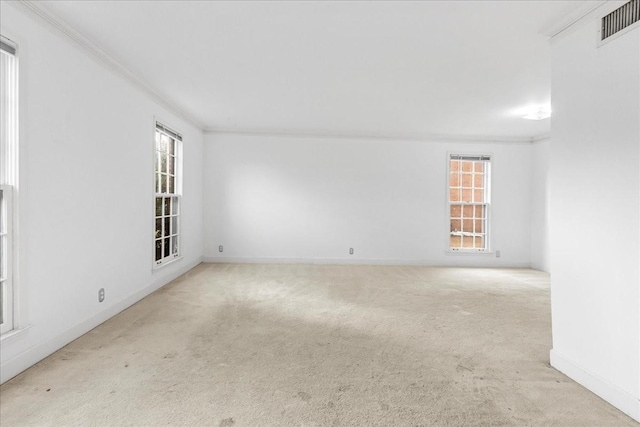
pixel 220 248
pixel 101 295
pixel 497 254
pixel 350 251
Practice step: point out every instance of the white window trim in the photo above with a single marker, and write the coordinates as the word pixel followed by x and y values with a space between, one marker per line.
pixel 9 183
pixel 156 265
pixel 489 235
pixel 8 300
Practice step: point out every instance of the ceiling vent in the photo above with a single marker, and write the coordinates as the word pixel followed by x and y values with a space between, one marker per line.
pixel 621 18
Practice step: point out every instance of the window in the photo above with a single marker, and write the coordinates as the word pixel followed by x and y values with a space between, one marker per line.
pixel 469 203
pixel 6 246
pixel 8 178
pixel 167 194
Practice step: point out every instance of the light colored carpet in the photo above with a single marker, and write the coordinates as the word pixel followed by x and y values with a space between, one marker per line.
pixel 316 345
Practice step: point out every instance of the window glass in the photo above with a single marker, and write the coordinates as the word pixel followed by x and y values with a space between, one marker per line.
pixel 167 204
pixel 468 202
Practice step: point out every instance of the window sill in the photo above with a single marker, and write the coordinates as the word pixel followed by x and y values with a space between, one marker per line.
pixel 166 263
pixel 14 333
pixel 468 252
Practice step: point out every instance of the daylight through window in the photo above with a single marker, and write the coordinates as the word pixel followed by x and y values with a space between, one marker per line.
pixel 167 189
pixel 469 203
pixel 8 178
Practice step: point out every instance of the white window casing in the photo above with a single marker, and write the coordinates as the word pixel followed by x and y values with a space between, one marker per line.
pixel 469 203
pixel 6 260
pixel 8 182
pixel 167 199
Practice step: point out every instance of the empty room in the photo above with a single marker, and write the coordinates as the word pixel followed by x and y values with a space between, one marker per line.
pixel 320 213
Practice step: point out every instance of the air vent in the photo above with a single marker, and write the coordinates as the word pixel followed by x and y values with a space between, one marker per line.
pixel 620 18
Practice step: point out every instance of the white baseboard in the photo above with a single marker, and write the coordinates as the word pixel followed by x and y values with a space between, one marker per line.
pixel 622 400
pixel 33 355
pixel 277 260
pixel 361 261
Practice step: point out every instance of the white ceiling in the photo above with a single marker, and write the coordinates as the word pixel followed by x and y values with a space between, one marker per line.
pixel 456 68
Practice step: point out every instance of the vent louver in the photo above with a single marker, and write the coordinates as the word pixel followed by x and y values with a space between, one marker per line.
pixel 620 18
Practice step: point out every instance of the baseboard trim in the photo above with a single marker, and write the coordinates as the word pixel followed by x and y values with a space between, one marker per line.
pixel 619 398
pixel 283 260
pixel 35 354
pixel 364 261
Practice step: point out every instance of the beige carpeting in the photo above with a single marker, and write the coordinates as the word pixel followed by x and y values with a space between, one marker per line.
pixel 312 345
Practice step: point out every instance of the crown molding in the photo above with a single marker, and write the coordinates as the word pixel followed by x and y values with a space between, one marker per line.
pixel 375 136
pixel 578 14
pixel 541 137
pixel 48 19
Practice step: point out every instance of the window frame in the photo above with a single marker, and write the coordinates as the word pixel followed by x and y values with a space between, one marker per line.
pixel 488 235
pixel 160 126
pixel 7 290
pixel 9 151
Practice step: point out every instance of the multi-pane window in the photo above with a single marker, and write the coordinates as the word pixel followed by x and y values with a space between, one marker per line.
pixel 6 283
pixel 167 194
pixel 8 177
pixel 469 202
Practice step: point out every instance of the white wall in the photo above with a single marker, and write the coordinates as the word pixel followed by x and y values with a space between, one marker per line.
pixel 86 193
pixel 301 198
pixel 540 245
pixel 595 211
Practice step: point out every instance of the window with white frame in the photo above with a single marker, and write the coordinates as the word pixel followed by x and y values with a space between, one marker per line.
pixel 469 202
pixel 168 151
pixel 8 179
